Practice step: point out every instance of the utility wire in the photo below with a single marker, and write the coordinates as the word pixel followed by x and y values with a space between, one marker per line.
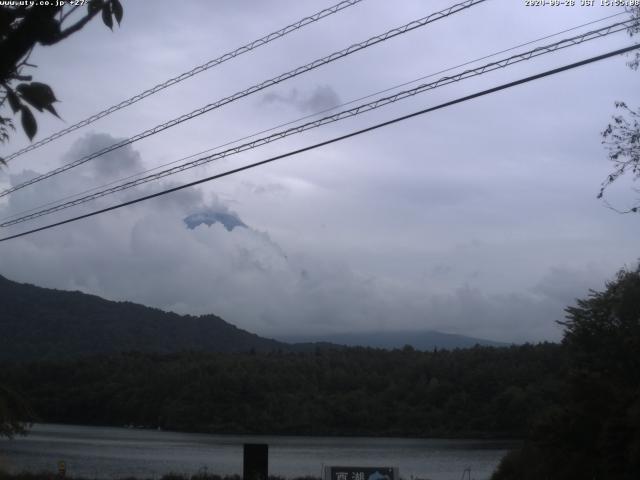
pixel 380 102
pixel 333 140
pixel 311 115
pixel 256 88
pixel 194 71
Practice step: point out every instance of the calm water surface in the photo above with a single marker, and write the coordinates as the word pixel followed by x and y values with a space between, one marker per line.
pixel 106 453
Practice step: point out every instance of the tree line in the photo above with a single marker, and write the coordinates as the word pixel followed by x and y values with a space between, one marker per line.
pixel 576 404
pixel 594 433
pixel 477 392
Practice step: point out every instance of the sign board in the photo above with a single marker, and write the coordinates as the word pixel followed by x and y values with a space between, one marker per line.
pixel 361 473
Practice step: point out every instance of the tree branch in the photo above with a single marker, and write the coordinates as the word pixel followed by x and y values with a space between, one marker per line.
pixel 64 17
pixel 18 44
pixel 78 25
pixel 38 26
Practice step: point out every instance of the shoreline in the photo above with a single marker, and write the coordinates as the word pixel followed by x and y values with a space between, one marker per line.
pixel 337 435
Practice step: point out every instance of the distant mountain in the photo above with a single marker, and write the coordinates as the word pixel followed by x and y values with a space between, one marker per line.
pixel 40 323
pixel 46 324
pixel 420 340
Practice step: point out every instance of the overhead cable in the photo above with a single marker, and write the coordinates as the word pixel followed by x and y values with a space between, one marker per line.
pixel 333 140
pixel 380 102
pixel 305 117
pixel 255 88
pixel 194 71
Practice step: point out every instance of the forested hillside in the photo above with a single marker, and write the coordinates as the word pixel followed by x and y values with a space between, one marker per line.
pixel 484 391
pixel 594 433
pixel 42 323
pixel 46 324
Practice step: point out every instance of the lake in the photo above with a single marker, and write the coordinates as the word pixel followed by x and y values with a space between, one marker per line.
pixel 106 453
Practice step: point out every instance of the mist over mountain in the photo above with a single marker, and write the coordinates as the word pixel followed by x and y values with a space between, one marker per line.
pixel 420 340
pixel 46 324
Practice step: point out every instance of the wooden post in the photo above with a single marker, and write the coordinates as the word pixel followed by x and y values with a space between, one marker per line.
pixel 256 461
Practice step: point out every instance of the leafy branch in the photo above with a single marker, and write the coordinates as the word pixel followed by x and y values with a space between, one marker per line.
pixel 622 136
pixel 21 29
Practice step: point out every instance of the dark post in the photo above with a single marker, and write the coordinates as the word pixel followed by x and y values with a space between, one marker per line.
pixel 256 461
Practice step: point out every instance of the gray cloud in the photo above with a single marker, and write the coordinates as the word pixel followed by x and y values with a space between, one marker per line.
pixel 323 97
pixel 265 189
pixel 114 164
pixel 148 255
pixel 479 218
pixel 564 285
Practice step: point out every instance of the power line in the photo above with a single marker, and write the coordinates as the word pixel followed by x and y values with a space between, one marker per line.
pixel 333 140
pixel 311 115
pixel 256 88
pixel 194 71
pixel 336 117
pixel 380 102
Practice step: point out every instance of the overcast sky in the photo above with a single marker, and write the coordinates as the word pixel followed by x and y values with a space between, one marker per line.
pixel 479 219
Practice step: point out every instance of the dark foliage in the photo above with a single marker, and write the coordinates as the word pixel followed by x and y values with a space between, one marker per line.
pixel 24 26
pixel 622 139
pixel 595 432
pixel 15 414
pixel 622 136
pixel 170 476
pixel 478 392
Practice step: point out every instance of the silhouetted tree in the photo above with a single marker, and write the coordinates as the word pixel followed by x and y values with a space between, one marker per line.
pixel 15 415
pixel 622 135
pixel 481 391
pixel 23 27
pixel 595 432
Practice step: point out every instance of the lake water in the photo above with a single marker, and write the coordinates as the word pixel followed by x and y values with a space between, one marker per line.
pixel 107 453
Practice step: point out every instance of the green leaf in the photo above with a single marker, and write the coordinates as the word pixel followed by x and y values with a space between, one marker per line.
pixel 39 95
pixel 14 101
pixel 116 7
pixel 106 15
pixel 28 122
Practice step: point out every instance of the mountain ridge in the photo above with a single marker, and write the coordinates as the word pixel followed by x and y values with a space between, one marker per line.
pixel 390 339
pixel 38 323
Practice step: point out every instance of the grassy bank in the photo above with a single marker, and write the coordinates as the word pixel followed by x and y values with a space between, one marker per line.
pixel 169 476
